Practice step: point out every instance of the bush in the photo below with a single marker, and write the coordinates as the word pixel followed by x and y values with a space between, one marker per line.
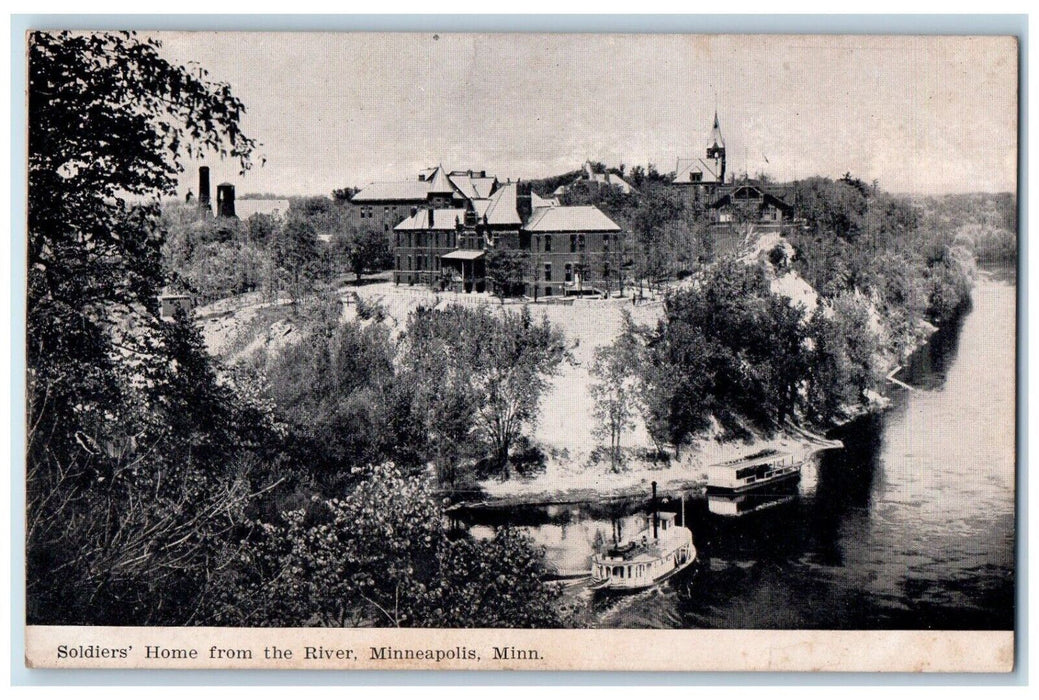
pixel 381 555
pixel 370 310
pixel 527 459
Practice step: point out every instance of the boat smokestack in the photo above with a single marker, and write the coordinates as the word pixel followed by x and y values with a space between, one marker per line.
pixel 654 506
pixel 203 187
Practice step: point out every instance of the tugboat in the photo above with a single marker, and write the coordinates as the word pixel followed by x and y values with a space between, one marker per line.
pixel 656 552
pixel 752 472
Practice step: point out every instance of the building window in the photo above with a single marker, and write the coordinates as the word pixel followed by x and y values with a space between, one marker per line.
pixel 409 267
pixel 568 273
pixel 606 242
pixel 573 244
pixel 548 244
pixel 548 291
pixel 385 227
pixel 580 242
pixel 606 271
pixel 398 262
pixel 548 272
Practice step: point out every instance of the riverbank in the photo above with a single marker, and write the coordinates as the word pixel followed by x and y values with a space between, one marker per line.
pixel 571 481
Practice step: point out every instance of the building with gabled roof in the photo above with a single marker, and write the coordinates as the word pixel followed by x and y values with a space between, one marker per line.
pixel 606 179
pixel 696 171
pixel 699 177
pixel 577 218
pixel 383 205
pixel 744 209
pixel 571 250
pixel 501 208
pixel 761 203
pixel 536 201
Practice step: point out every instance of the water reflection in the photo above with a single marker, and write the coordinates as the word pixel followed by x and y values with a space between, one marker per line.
pixel 742 504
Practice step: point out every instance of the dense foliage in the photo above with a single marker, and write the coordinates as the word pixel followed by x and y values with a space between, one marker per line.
pixel 732 352
pixel 859 239
pixel 479 376
pixel 163 489
pixel 139 460
pixel 727 348
pixel 986 224
pixel 381 556
pixel 295 255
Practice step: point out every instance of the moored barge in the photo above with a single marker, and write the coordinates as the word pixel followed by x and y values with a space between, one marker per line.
pixel 753 472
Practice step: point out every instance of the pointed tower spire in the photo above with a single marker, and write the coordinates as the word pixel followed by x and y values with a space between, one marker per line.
pixel 716 133
pixel 716 149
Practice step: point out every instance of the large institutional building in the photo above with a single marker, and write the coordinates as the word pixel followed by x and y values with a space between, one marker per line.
pixel 444 224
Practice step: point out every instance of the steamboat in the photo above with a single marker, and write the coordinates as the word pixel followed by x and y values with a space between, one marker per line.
pixel 657 551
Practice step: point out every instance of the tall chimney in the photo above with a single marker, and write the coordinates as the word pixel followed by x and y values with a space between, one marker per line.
pixel 225 199
pixel 654 506
pixel 203 188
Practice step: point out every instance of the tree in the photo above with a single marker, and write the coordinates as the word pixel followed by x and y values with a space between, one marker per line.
pixel 498 362
pixel 506 270
pixel 365 249
pixel 342 195
pixel 616 390
pixel 332 388
pixel 134 472
pixel 845 358
pixel 296 257
pixel 728 348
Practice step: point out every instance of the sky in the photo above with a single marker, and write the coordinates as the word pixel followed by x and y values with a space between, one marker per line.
pixel 919 114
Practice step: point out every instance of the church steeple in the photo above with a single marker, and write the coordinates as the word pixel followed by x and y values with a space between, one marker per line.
pixel 716 149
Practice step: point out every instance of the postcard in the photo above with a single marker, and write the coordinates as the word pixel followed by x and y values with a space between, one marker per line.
pixel 521 351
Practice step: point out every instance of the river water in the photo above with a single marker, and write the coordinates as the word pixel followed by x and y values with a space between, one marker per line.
pixel 911 526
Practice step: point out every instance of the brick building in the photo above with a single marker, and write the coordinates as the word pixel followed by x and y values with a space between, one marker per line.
pixel 573 251
pixel 383 205
pixel 568 250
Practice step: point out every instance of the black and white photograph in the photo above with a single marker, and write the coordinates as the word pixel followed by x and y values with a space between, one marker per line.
pixel 475 333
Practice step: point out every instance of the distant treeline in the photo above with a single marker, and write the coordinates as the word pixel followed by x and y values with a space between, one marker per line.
pixel 986 223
